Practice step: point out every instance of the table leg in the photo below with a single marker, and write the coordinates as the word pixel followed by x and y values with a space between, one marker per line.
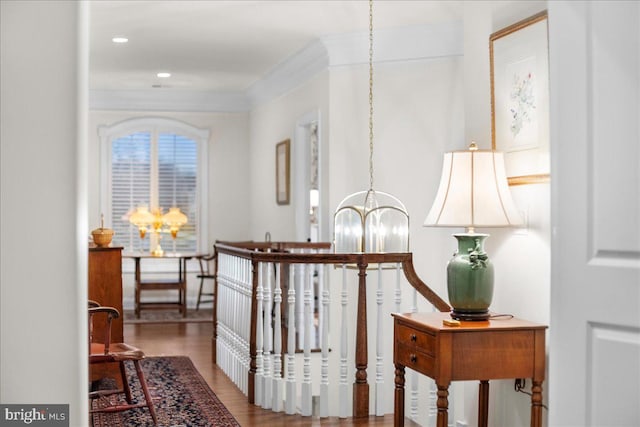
pixel 536 404
pixel 137 284
pixel 183 286
pixel 398 419
pixel 483 404
pixel 443 405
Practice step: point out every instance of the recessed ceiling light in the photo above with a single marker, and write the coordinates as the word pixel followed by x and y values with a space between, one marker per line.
pixel 164 75
pixel 120 40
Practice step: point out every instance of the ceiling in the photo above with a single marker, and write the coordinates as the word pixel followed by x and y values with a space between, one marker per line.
pixel 227 46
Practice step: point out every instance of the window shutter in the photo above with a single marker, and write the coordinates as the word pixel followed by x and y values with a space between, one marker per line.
pixel 130 185
pixel 138 169
pixel 177 184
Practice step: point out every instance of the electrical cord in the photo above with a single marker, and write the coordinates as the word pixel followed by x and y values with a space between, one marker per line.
pixel 520 385
pixel 501 316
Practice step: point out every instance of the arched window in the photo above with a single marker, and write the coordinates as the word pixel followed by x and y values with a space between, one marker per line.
pixel 159 163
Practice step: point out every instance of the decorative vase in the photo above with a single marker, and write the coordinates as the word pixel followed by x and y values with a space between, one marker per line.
pixel 470 278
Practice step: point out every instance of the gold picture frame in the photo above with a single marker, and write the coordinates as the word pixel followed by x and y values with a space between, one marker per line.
pixel 283 175
pixel 519 62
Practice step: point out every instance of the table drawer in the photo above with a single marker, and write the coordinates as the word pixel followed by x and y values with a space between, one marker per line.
pixel 417 360
pixel 422 341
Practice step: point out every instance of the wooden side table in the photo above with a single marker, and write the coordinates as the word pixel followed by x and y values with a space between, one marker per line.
pixel 481 350
pixel 178 283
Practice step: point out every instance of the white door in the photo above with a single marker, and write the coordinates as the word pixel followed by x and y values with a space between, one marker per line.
pixel 594 352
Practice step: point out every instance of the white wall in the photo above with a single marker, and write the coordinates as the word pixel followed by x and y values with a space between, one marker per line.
pixel 521 258
pixel 43 333
pixel 228 181
pixel 272 123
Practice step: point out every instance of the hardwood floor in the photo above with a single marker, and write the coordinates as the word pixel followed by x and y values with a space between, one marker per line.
pixel 194 340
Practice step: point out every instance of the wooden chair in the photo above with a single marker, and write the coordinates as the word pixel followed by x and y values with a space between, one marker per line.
pixel 207 272
pixel 108 352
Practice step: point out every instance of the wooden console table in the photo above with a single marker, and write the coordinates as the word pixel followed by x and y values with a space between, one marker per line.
pixel 480 350
pixel 178 283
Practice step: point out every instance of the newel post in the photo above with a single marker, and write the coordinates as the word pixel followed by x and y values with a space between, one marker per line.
pixel 360 386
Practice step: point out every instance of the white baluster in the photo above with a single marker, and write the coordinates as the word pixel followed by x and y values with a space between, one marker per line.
pixel 344 386
pixel 268 338
pixel 277 343
pixel 259 378
pixel 299 284
pixel 235 324
pixel 321 268
pixel 413 413
pixel 324 327
pixel 398 293
pixel 379 349
pixel 305 404
pixel 290 403
pixel 247 297
pixel 237 328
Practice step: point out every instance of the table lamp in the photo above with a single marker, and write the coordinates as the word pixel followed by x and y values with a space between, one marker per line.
pixel 473 192
pixel 154 222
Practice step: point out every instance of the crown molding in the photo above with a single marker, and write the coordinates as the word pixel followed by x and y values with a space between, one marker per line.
pixel 289 74
pixel 397 44
pixel 390 45
pixel 168 99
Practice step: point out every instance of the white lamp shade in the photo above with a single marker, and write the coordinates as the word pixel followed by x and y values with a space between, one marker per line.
pixel 141 217
pixel 174 218
pixel 473 192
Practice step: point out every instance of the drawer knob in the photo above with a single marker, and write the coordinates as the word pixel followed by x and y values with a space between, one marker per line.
pixel 413 358
pixel 413 337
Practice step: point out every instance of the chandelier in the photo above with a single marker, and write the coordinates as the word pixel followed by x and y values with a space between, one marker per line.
pixel 371 221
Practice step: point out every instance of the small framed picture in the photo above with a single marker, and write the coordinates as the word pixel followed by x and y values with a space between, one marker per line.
pixel 519 58
pixel 283 176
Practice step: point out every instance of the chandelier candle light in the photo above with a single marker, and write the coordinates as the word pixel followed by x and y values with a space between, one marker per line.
pixel 173 220
pixel 371 221
pixel 473 193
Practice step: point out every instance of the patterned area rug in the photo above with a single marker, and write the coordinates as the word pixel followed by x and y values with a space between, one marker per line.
pixel 180 395
pixel 169 316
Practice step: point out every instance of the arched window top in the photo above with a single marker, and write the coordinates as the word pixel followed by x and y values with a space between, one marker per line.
pixel 158 124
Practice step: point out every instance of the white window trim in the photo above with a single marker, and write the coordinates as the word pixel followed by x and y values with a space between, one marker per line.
pixel 157 125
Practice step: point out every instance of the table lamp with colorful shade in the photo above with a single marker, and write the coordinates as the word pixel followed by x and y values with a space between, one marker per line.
pixel 473 193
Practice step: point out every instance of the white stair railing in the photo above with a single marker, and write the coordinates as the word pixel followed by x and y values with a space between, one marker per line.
pixel 234 298
pixel 268 287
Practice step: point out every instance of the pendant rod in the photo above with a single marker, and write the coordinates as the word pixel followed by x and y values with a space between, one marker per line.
pixel 371 94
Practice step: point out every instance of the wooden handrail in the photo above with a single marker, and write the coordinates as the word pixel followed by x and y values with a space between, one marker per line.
pixel 404 258
pixel 421 287
pixel 280 253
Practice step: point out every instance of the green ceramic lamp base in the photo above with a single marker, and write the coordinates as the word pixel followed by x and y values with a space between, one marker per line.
pixel 470 278
pixel 467 315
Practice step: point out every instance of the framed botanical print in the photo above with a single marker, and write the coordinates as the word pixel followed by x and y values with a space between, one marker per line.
pixel 283 174
pixel 519 58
